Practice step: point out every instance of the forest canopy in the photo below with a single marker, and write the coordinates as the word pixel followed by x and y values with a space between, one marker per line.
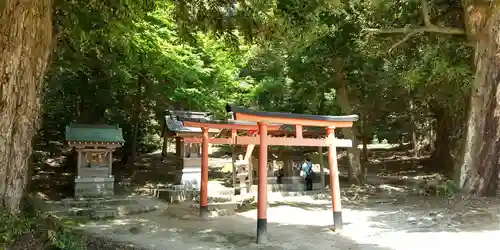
pixel 405 67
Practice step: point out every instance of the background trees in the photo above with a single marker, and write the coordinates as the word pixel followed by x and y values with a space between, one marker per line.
pixel 406 67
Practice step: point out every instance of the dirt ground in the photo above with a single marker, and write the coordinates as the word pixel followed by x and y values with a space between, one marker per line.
pixel 377 216
pixel 383 221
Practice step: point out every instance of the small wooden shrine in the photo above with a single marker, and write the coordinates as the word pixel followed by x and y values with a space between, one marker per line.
pixel 188 154
pixel 173 128
pixel 94 145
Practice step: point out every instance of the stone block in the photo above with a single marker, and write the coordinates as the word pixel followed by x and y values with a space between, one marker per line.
pixel 191 176
pixel 292 179
pixel 94 187
pixel 272 180
pixel 103 214
pixel 171 195
pixel 86 172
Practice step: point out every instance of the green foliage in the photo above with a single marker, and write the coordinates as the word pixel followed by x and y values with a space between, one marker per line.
pixel 49 230
pixel 12 227
pixel 447 188
pixel 127 62
pixel 131 68
pixel 66 239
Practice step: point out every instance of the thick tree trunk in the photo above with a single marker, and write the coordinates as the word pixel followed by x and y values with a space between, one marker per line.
pixel 164 148
pixel 25 45
pixel 355 171
pixel 414 136
pixel 441 158
pixel 136 119
pixel 364 141
pixel 479 168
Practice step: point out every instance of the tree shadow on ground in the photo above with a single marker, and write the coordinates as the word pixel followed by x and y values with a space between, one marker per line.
pixel 438 214
pixel 404 212
pixel 233 232
pixel 52 181
pixel 148 171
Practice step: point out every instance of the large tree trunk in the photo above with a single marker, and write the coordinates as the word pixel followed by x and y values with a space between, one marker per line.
pixel 364 140
pixel 413 124
pixel 25 45
pixel 355 171
pixel 441 158
pixel 479 168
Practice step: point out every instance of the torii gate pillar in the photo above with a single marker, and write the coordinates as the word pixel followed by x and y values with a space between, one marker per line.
pixel 334 180
pixel 262 187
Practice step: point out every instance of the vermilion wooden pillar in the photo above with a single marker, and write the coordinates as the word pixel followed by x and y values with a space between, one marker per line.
pixel 334 179
pixel 204 174
pixel 262 186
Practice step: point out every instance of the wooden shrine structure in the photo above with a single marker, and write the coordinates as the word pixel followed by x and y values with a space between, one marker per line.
pixel 262 123
pixel 94 145
pixel 173 128
pixel 187 153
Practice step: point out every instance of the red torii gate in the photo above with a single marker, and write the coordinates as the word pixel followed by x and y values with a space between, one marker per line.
pixel 246 119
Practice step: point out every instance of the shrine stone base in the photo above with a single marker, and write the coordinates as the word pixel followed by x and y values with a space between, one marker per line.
pixel 93 187
pixel 288 184
pixel 191 173
pixel 101 208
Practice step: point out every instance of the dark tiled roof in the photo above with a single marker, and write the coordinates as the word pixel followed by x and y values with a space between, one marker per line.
pixel 174 118
pixel 94 133
pixel 232 122
pixel 344 118
pixel 188 114
pixel 176 126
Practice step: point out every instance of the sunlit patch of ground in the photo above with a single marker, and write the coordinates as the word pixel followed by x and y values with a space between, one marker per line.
pixel 381 222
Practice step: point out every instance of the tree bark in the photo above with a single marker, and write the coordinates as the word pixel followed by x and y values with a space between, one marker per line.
pixel 136 120
pixel 25 46
pixel 479 167
pixel 413 124
pixel 355 171
pixel 364 141
pixel 441 158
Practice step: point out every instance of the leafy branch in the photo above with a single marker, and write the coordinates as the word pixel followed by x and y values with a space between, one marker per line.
pixel 428 27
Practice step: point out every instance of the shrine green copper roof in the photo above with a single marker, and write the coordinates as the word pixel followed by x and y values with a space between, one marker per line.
pixel 94 133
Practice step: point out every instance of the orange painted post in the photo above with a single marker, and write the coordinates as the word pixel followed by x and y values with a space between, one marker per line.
pixel 334 180
pixel 262 186
pixel 298 131
pixel 204 174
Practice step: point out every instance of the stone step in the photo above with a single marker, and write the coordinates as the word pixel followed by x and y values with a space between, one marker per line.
pixel 290 187
pixel 172 196
pixel 100 214
pixel 315 194
pixel 92 202
pixel 138 208
pixel 107 210
pixel 220 209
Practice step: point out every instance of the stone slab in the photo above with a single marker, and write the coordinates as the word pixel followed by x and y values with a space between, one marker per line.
pixel 94 187
pixel 86 172
pixel 172 196
pixel 289 187
pixel 191 173
pixel 104 208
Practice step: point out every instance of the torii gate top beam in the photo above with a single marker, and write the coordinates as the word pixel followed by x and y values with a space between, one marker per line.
pixel 244 114
pixel 229 124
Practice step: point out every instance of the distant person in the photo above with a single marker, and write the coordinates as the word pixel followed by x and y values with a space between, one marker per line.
pixel 280 173
pixel 306 172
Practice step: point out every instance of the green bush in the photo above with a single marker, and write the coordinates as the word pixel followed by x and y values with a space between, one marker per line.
pixel 39 225
pixel 447 188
